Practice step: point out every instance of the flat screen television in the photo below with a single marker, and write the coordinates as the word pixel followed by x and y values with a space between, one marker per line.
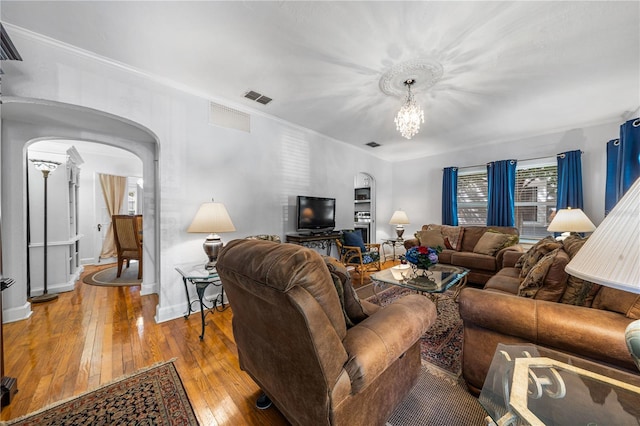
pixel 316 213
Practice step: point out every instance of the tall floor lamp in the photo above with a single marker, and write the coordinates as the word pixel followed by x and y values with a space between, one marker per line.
pixel 45 167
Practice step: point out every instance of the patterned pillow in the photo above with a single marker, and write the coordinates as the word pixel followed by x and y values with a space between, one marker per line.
pixel 351 308
pixel 579 292
pixel 535 253
pixel 534 280
pixel 512 239
pixel 452 235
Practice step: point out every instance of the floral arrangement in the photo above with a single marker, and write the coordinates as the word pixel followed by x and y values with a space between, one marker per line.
pixel 422 256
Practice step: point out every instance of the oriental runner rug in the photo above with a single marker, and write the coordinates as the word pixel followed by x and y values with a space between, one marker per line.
pixel 442 344
pixel 154 396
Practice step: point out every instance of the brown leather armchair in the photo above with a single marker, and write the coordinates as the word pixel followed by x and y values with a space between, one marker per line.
pixel 292 338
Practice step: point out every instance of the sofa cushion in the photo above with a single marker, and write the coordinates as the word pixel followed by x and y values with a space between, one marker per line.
pixel 431 238
pixel 445 256
pixel 473 260
pixel 623 302
pixel 579 292
pixel 490 242
pixel 451 235
pixel 471 236
pixel 351 306
pixel 535 253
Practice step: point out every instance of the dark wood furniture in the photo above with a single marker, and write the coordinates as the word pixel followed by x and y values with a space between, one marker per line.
pixel 322 241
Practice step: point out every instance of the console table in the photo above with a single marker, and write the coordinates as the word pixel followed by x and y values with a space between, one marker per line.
pixel 316 241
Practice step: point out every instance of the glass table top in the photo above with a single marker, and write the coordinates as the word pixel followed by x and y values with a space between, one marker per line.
pixel 531 385
pixel 437 279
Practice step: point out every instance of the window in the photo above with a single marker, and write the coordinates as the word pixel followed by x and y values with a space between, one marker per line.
pixel 535 198
pixel 473 194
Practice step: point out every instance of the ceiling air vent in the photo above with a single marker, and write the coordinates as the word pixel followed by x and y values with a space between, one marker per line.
pixel 258 97
pixel 373 144
pixel 223 116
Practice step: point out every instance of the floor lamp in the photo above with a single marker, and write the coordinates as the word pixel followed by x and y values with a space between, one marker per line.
pixel 45 167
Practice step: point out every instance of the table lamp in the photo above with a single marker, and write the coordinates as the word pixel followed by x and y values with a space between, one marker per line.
pixel 399 218
pixel 211 218
pixel 570 221
pixel 611 256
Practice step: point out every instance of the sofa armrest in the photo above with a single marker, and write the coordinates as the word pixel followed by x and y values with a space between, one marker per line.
pixel 413 242
pixel 378 341
pixel 507 257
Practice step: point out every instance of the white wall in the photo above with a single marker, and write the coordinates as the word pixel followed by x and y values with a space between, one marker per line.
pixel 256 175
pixel 420 190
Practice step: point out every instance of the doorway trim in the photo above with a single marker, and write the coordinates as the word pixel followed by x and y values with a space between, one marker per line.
pixel 25 121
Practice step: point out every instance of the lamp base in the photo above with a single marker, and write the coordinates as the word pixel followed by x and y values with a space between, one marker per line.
pixel 46 297
pixel 399 232
pixel 632 336
pixel 212 246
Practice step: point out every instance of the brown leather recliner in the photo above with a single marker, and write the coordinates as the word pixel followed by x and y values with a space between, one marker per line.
pixel 292 338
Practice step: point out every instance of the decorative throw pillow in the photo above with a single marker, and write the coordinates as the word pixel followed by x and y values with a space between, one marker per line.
pixel 431 238
pixel 351 307
pixel 535 253
pixel 623 302
pixel 490 243
pixel 452 235
pixel 354 239
pixel 535 277
pixel 512 239
pixel 579 292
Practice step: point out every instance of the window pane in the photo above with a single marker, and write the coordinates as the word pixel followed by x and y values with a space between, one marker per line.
pixel 535 201
pixel 472 199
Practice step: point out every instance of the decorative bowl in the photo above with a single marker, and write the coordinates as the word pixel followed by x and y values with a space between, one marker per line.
pixel 401 272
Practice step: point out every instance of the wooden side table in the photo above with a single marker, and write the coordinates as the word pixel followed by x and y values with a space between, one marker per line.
pixel 201 278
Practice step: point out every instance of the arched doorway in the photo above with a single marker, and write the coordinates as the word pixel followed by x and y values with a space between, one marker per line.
pixel 25 121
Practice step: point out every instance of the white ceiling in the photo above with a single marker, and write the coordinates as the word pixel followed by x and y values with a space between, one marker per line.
pixel 510 69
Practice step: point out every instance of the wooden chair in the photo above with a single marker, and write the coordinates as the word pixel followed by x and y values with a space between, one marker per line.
pixel 128 238
pixel 367 261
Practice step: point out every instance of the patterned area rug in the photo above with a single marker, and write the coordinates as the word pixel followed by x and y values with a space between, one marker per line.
pixel 442 344
pixel 154 396
pixel 107 277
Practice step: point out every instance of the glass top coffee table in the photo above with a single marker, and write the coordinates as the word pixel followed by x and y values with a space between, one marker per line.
pixel 431 282
pixel 532 385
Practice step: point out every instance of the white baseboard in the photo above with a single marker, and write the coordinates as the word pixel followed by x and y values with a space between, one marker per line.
pixel 17 314
pixel 169 313
pixel 146 289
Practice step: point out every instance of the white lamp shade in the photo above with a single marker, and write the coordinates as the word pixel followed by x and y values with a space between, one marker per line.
pixel 399 218
pixel 211 218
pixel 571 220
pixel 611 255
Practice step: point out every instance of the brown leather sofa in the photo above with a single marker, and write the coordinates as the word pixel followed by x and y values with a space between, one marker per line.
pixel 481 266
pixel 496 314
pixel 291 332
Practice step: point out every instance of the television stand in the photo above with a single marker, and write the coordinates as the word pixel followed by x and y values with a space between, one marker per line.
pixel 322 240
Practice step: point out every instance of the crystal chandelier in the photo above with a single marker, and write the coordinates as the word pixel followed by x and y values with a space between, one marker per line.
pixel 410 115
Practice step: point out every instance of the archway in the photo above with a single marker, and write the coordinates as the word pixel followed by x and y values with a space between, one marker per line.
pixel 25 121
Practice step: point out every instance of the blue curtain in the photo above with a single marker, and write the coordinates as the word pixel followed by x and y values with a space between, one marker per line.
pixel 611 194
pixel 623 163
pixel 629 159
pixel 570 180
pixel 450 196
pixel 501 179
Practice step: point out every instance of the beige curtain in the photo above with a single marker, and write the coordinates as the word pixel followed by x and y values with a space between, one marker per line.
pixel 113 189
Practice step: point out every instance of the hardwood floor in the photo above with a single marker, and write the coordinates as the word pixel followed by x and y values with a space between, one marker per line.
pixel 93 335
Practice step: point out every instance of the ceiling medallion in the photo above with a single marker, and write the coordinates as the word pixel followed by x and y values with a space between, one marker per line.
pixel 424 73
